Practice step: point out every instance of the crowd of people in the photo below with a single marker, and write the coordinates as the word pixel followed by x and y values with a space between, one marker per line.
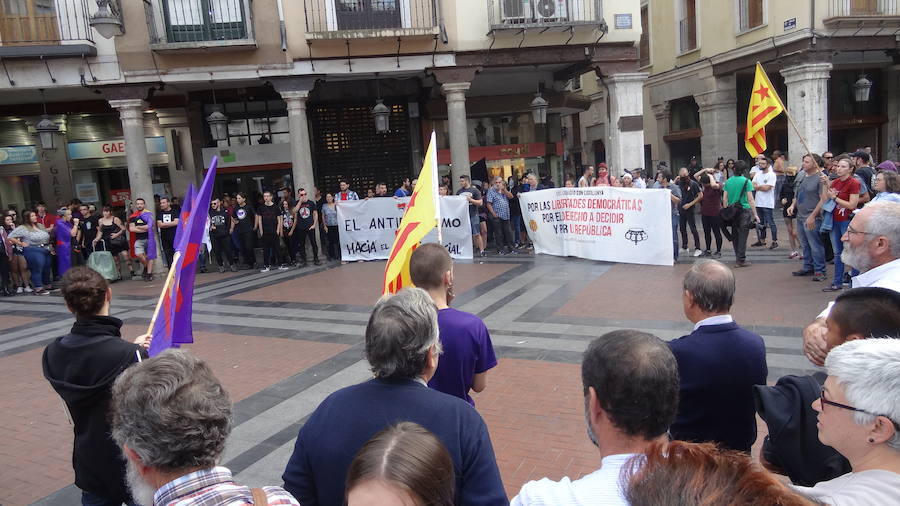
pixel 673 423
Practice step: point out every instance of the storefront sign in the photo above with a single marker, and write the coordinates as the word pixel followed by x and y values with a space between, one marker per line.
pixel 368 227
pixel 118 198
pixel 106 149
pixel 504 151
pixel 87 192
pixel 610 224
pixel 18 154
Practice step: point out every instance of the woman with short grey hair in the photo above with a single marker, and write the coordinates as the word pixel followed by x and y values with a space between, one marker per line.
pixel 858 415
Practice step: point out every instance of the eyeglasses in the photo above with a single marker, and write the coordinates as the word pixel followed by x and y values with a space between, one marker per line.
pixel 824 400
pixel 851 231
pixel 828 157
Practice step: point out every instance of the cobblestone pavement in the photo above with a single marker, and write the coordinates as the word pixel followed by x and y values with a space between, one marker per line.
pixel 281 341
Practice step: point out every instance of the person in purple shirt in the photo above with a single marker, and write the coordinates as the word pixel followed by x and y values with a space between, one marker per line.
pixel 468 352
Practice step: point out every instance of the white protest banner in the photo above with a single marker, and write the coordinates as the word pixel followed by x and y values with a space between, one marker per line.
pixel 601 223
pixel 367 227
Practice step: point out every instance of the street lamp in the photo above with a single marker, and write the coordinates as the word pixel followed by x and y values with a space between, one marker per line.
pixel 218 122
pixel 108 19
pixel 46 128
pixel 539 108
pixel 481 134
pixel 861 88
pixel 380 112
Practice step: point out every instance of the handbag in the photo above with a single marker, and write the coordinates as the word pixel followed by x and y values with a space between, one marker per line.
pixel 731 212
pixel 118 242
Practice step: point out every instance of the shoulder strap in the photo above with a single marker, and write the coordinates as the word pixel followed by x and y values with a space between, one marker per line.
pixel 259 496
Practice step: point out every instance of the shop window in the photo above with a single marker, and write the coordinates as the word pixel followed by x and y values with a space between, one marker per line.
pixel 750 14
pixel 255 122
pixel 687 26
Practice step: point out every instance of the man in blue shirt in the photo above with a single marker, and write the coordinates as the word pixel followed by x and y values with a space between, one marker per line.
pixel 467 350
pixel 497 202
pixel 402 346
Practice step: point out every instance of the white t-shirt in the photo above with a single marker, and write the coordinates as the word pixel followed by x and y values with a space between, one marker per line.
pixel 865 488
pixel 600 488
pixel 765 198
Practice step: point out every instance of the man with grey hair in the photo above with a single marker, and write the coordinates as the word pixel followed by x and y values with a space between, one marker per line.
pixel 497 202
pixel 171 417
pixel 402 347
pixel 872 246
pixel 719 362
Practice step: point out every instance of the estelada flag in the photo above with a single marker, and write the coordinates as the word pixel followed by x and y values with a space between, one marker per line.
pixel 422 214
pixel 765 105
pixel 172 325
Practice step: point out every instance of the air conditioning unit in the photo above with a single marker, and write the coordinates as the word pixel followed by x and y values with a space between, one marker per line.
pixel 551 10
pixel 514 12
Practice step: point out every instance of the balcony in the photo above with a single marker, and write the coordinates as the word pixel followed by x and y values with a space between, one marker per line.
pixel 859 13
pixel 45 28
pixel 185 25
pixel 359 19
pixel 523 14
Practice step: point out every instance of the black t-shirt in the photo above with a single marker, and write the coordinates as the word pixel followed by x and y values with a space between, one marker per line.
pixel 269 217
pixel 139 221
pixel 305 213
pixel 219 222
pixel 168 234
pixel 475 193
pixel 689 191
pixel 245 218
pixel 88 228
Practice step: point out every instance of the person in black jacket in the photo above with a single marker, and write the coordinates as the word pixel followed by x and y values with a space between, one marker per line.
pixel 82 366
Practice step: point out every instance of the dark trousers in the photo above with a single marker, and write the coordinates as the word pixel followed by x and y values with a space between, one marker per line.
pixel 740 229
pixel 334 243
pixel 168 247
pixel 686 219
pixel 4 269
pixel 503 236
pixel 300 235
pixel 766 219
pixel 270 249
pixel 712 225
pixel 221 247
pixel 245 239
pixel 290 246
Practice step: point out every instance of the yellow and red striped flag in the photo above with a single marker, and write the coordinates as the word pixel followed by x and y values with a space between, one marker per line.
pixel 765 105
pixel 423 213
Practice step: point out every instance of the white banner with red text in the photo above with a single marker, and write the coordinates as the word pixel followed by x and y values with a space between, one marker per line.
pixel 367 227
pixel 601 223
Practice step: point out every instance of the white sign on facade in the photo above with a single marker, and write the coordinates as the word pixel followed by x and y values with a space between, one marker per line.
pixel 367 227
pixel 601 223
pixel 87 192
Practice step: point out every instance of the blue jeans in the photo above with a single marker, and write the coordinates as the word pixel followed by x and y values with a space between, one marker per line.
pixel 39 261
pixel 813 249
pixel 675 221
pixel 838 231
pixel 89 499
pixel 766 219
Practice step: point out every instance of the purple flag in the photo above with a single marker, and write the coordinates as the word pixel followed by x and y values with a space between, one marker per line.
pixel 151 235
pixel 185 212
pixel 63 246
pixel 173 323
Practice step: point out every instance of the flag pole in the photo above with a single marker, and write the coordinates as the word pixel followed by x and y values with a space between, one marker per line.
pixel 166 287
pixel 788 114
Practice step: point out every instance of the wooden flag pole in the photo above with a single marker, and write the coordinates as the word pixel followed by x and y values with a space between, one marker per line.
pixel 169 277
pixel 788 114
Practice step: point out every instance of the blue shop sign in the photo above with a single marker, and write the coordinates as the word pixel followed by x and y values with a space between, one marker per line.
pixel 18 154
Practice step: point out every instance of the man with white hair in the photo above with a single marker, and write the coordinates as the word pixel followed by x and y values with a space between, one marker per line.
pixel 402 347
pixel 171 417
pixel 871 245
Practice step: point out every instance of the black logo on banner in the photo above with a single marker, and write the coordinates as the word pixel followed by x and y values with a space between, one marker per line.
pixel 636 235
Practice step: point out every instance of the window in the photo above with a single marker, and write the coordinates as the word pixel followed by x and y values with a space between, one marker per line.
pixel 644 46
pixel 254 122
pixel 204 20
pixel 28 21
pixel 687 26
pixel 750 14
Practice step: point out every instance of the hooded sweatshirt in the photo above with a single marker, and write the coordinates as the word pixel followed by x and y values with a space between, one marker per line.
pixel 82 366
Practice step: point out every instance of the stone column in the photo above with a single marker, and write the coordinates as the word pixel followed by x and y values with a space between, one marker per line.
pixel 718 119
pixel 182 170
pixel 663 114
pixel 131 112
pixel 456 125
pixel 295 92
pixel 807 98
pixel 625 149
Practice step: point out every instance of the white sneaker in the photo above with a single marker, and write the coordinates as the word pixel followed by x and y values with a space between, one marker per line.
pixel 28 289
pixel 697 252
pixel 264 269
pixel 283 268
pixel 20 290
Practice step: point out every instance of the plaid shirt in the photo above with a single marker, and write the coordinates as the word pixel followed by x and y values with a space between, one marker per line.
pixel 499 202
pixel 214 487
